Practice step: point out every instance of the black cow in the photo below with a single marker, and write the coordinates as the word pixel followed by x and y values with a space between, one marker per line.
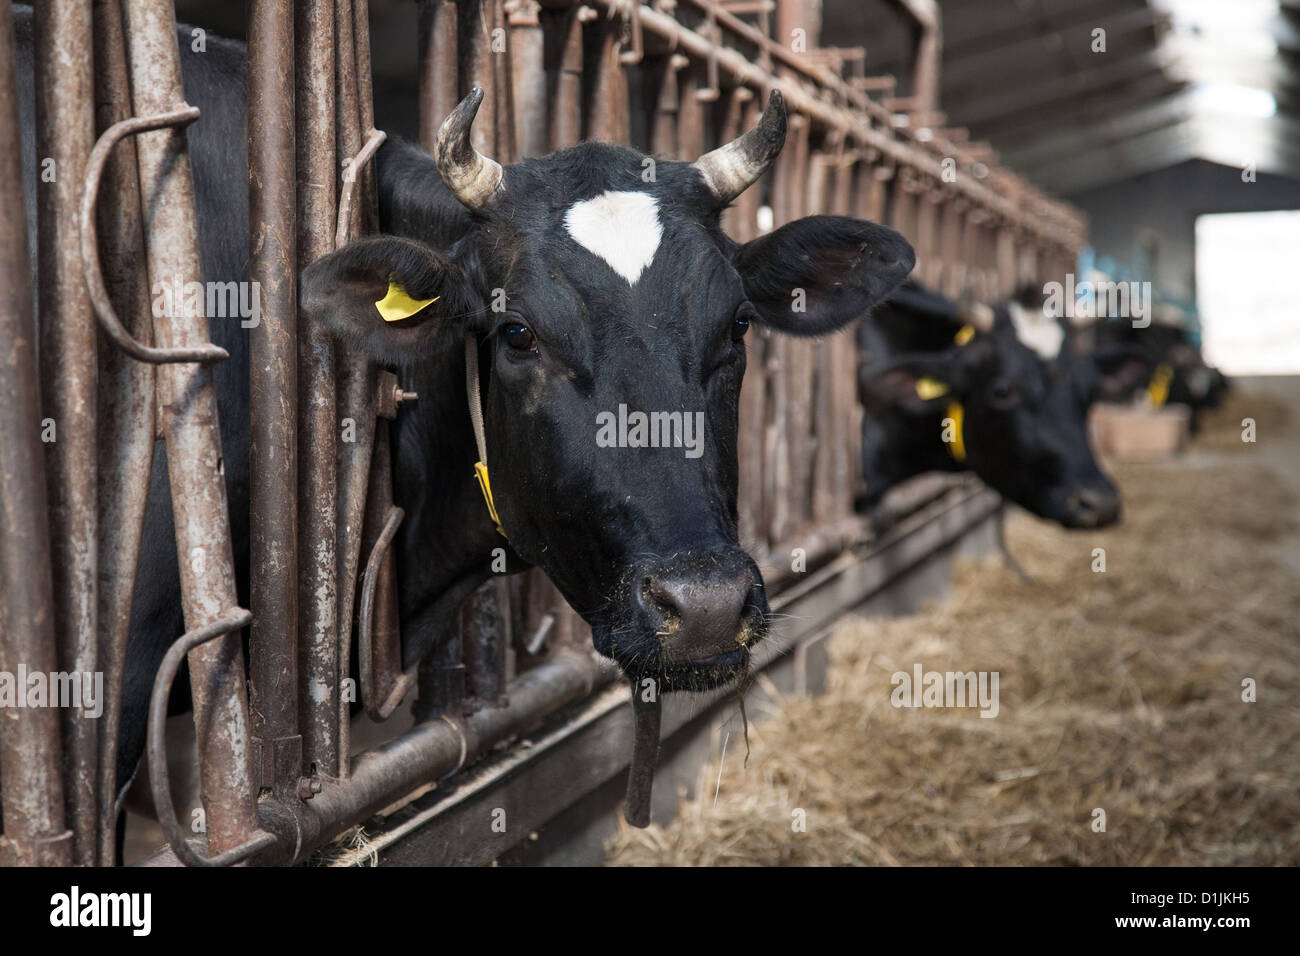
pixel 941 396
pixel 580 286
pixel 1181 375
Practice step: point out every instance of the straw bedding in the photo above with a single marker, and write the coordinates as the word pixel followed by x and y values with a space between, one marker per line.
pixel 1119 691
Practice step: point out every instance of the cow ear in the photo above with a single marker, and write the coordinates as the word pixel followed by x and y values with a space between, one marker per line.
pixel 388 297
pixel 819 273
pixel 912 384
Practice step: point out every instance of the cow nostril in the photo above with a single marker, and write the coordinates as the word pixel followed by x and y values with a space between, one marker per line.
pixel 1094 506
pixel 703 618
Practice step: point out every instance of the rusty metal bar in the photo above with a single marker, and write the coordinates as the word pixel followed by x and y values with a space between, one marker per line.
pixel 273 387
pixel 486 627
pixel 30 784
pixel 438 76
pixel 528 78
pixel 318 626
pixel 566 105
pixel 189 414
pixel 382 683
pixel 434 749
pixel 126 404
pixel 65 129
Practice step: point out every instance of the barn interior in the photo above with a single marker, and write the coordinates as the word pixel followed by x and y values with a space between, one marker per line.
pixel 1134 685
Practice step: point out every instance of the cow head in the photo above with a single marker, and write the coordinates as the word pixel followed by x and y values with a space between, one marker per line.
pixel 608 313
pixel 1014 417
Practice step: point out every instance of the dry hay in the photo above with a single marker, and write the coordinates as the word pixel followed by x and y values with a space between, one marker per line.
pixel 1120 690
pixel 1221 427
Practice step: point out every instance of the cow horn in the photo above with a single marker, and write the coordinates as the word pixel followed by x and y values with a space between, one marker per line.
pixel 729 170
pixel 473 178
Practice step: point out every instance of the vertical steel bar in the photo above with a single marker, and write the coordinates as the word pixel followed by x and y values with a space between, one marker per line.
pixel 528 78
pixel 566 111
pixel 273 385
pixel 357 383
pixel 607 120
pixel 126 404
pixel 30 784
pixel 189 413
pixel 65 125
pixel 318 630
pixel 438 73
pixel 476 35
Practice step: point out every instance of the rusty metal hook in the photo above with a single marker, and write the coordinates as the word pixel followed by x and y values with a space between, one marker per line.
pixel 108 320
pixel 159 781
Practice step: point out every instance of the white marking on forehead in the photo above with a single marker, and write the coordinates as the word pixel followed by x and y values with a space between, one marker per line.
pixel 1037 330
pixel 620 227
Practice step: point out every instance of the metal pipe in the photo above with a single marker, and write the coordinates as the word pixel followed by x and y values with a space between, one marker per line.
pixel 189 415
pixel 273 387
pixel 487 635
pixel 30 785
pixel 318 630
pixel 65 129
pixel 437 68
pixel 528 76
pixel 126 404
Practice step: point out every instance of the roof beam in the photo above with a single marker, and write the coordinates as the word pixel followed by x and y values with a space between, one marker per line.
pixel 989 108
pixel 1054 41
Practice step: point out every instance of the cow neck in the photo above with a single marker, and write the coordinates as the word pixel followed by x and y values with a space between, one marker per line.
pixel 473 393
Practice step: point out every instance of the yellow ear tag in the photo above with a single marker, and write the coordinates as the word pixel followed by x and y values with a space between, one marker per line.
pixel 964 334
pixel 1158 389
pixel 485 486
pixel 397 305
pixel 928 388
pixel 957 447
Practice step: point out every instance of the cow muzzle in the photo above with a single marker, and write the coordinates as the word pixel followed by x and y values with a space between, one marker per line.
pixel 699 616
pixel 1092 506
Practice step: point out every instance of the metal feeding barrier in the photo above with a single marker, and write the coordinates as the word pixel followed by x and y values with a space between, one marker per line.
pixel 279 776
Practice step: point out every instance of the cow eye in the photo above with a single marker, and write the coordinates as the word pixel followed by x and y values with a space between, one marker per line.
pixel 519 337
pixel 1004 394
pixel 740 324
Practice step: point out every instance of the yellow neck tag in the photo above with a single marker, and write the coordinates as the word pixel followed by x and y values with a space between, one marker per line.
pixel 485 486
pixel 928 388
pixel 957 447
pixel 1158 389
pixel 397 305
pixel 964 334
